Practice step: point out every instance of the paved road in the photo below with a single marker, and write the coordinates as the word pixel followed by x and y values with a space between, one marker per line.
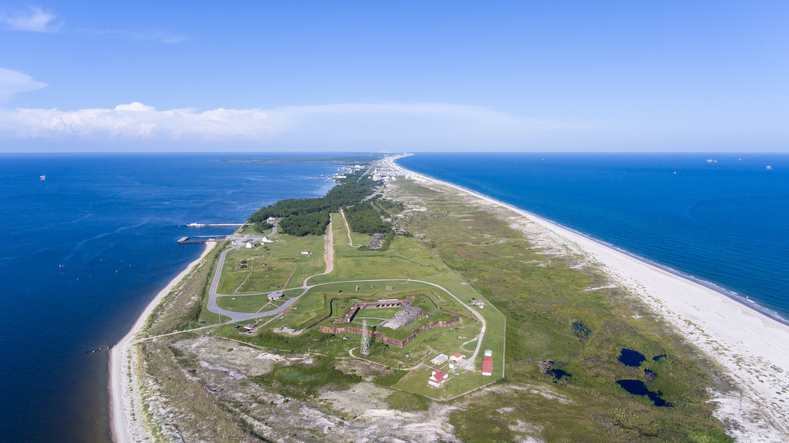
pixel 245 316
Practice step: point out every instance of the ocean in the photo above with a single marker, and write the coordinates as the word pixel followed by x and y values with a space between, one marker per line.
pixel 719 218
pixel 85 251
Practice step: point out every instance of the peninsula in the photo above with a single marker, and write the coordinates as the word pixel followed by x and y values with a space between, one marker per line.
pixel 402 308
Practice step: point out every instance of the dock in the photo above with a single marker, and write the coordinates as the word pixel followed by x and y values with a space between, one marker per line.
pixel 198 239
pixel 215 225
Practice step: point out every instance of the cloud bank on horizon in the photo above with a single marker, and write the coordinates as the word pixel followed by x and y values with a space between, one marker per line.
pixel 352 126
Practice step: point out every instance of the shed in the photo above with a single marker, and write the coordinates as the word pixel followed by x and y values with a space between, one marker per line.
pixel 440 358
pixel 487 366
pixel 390 288
pixel 275 295
pixel 488 353
pixel 306 253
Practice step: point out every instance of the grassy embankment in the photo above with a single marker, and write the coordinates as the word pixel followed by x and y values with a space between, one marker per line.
pixel 544 302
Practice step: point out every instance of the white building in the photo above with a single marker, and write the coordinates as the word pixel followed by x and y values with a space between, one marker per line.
pixel 488 353
pixel 456 357
pixel 441 358
pixel 437 379
pixel 306 253
pixel 248 245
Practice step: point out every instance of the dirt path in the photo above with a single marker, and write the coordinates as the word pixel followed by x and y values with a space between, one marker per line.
pixel 347 228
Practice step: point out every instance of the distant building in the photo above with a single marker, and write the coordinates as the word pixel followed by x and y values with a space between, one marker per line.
pixel 390 288
pixel 249 327
pixel 437 378
pixel 275 295
pixel 478 303
pixel 266 240
pixel 488 353
pixel 457 356
pixel 306 253
pixel 248 245
pixel 487 366
pixel 441 358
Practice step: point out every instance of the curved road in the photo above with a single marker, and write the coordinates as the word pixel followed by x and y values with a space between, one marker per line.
pixel 329 255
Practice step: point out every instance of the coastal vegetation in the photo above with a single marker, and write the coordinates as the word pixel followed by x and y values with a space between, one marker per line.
pixel 310 216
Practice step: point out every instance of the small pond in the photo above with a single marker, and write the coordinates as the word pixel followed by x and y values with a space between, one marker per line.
pixel 658 357
pixel 631 358
pixel 637 387
pixel 559 374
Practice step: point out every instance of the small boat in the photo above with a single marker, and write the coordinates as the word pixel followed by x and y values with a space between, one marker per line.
pixel 43 177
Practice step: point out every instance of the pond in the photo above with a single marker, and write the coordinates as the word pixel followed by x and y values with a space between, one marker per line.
pixel 631 358
pixel 637 387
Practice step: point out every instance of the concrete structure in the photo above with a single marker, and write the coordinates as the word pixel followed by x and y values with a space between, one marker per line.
pixel 437 378
pixel 275 295
pixel 478 303
pixel 456 357
pixel 440 358
pixel 487 366
pixel 403 318
pixel 488 353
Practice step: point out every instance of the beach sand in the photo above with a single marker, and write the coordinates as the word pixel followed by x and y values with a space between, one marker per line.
pixel 750 347
pixel 122 385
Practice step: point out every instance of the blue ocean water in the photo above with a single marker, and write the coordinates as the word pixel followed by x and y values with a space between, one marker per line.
pixel 84 252
pixel 725 222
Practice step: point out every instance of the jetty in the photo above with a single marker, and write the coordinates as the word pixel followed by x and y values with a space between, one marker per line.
pixel 198 239
pixel 215 225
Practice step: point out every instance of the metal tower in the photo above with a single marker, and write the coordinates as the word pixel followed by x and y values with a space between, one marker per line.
pixel 365 339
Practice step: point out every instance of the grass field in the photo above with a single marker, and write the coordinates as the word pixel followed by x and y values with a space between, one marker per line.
pixel 544 302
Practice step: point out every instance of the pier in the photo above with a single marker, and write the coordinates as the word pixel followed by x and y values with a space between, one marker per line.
pixel 198 239
pixel 215 225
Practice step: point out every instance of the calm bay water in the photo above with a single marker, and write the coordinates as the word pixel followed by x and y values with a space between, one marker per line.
pixel 86 250
pixel 725 222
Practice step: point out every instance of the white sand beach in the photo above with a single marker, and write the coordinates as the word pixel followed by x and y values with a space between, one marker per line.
pixel 121 385
pixel 752 348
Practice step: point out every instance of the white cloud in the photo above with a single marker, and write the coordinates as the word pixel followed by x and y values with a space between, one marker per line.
pixel 343 126
pixel 13 82
pixel 36 20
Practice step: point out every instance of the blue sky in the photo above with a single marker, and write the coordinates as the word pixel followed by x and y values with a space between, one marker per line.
pixel 401 76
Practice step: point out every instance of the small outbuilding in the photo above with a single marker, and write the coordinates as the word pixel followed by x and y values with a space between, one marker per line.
pixel 456 357
pixel 275 295
pixel 440 358
pixel 487 366
pixel 306 253
pixel 488 353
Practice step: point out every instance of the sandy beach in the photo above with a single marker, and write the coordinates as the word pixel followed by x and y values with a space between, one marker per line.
pixel 121 385
pixel 750 347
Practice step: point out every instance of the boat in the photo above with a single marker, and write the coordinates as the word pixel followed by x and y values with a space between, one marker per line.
pixel 43 177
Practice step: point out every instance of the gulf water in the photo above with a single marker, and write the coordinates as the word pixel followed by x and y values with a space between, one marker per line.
pixel 725 222
pixel 82 254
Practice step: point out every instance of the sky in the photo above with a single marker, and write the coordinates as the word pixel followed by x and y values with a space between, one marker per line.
pixel 394 76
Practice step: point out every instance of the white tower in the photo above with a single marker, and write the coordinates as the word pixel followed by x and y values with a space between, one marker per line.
pixel 365 339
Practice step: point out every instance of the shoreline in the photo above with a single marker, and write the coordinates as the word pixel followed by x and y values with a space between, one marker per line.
pixel 751 346
pixel 120 357
pixel 731 294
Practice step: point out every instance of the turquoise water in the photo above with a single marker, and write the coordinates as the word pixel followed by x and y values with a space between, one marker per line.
pixel 723 222
pixel 86 250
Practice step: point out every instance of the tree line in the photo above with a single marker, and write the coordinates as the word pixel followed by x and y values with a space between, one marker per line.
pixel 305 216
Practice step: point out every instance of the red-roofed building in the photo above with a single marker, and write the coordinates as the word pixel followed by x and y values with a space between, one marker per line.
pixel 456 357
pixel 487 366
pixel 437 378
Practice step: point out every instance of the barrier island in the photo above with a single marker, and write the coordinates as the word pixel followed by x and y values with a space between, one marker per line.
pixel 400 308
